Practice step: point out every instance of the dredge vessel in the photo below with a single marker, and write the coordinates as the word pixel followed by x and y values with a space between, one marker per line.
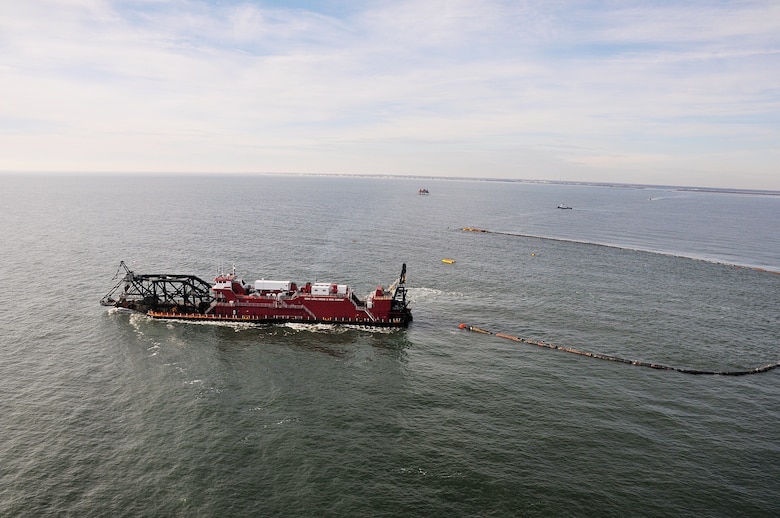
pixel 229 299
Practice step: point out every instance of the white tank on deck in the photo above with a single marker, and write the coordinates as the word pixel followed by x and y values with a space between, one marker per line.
pixel 327 288
pixel 264 285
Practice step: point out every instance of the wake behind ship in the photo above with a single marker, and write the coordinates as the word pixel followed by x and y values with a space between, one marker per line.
pixel 188 297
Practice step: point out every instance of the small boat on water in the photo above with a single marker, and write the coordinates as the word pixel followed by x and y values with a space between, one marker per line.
pixel 563 206
pixel 423 191
pixel 448 261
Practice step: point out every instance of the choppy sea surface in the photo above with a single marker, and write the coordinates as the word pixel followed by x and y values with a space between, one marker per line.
pixel 109 413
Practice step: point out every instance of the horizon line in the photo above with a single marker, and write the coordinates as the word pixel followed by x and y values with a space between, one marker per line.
pixel 589 183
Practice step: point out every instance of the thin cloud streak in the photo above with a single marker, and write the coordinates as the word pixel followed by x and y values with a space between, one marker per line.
pixel 565 90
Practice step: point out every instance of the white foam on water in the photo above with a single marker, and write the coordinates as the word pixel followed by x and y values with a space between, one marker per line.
pixel 421 295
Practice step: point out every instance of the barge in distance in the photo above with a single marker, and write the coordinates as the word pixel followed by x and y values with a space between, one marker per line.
pixel 229 299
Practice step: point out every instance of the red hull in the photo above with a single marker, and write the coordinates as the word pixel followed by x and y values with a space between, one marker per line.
pixel 306 309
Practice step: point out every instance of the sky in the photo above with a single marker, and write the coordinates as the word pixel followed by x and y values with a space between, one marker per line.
pixel 647 92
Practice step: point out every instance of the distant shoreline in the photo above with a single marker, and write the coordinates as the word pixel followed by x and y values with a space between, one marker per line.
pixel 620 185
pixel 681 188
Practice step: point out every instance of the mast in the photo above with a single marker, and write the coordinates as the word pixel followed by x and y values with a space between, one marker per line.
pixel 399 296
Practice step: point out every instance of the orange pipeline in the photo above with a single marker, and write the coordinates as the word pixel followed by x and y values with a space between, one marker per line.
pixel 541 343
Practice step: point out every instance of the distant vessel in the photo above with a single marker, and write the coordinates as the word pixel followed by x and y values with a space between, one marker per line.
pixel 187 297
pixel 423 191
pixel 448 261
pixel 563 206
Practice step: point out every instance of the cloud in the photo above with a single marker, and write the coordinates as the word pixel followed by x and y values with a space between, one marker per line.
pixel 561 89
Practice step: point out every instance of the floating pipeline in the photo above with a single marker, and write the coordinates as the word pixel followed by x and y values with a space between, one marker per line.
pixel 563 240
pixel 540 343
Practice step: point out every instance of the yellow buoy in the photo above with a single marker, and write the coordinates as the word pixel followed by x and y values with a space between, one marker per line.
pixel 448 261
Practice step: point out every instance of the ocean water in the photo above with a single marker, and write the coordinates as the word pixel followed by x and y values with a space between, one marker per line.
pixel 109 413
